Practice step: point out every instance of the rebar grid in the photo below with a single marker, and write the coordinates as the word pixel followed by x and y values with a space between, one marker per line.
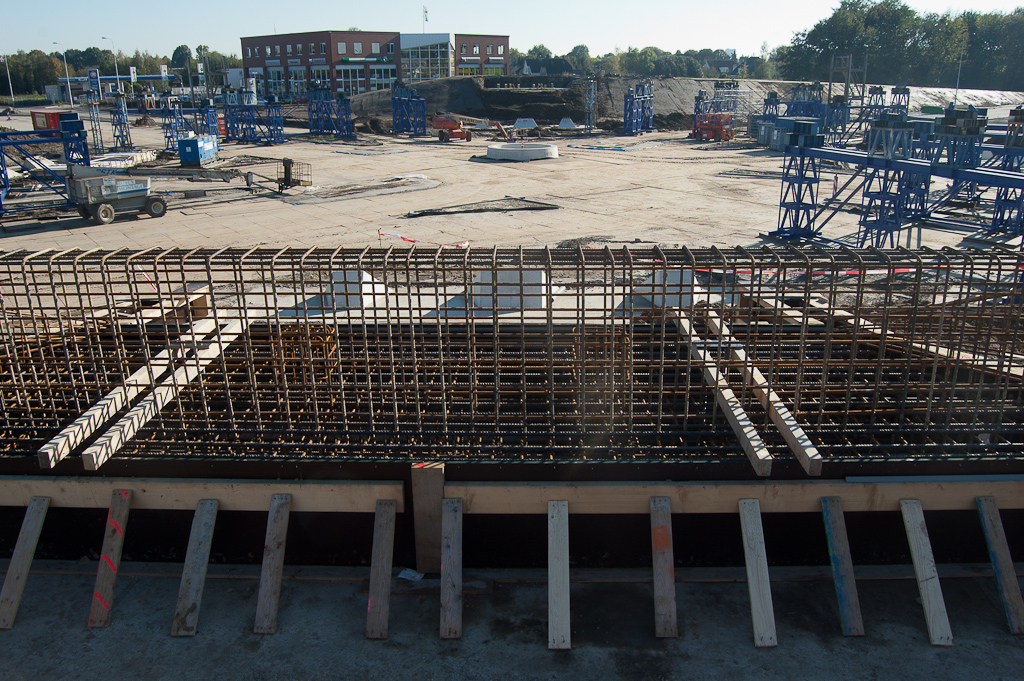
pixel 595 354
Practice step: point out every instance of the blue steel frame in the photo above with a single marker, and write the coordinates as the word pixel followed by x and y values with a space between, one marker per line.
pixel 119 121
pixel 30 164
pixel 408 112
pixel 638 108
pixel 328 116
pixel 174 126
pixel 94 124
pixel 244 123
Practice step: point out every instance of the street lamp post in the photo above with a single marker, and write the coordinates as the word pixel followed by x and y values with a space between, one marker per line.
pixel 9 81
pixel 67 78
pixel 117 74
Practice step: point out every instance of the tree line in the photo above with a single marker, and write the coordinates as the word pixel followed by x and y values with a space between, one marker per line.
pixel 901 46
pixel 31 71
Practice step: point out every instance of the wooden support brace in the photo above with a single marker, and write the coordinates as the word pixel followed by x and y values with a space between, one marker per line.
pixel 741 424
pixel 110 558
pixel 663 560
pixel 1002 564
pixel 927 576
pixel 273 564
pixel 761 612
pixel 427 493
pixel 193 576
pixel 65 442
pixel 559 632
pixel 21 561
pixel 801 446
pixel 842 566
pixel 451 568
pixel 117 435
pixel 380 570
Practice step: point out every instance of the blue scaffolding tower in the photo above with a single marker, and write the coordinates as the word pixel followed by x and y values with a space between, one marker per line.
pixel 1008 207
pixel 175 127
pixel 119 121
pixel 408 112
pixel 328 116
pixel 801 174
pixel 94 124
pixel 76 149
pixel 638 108
pixel 590 105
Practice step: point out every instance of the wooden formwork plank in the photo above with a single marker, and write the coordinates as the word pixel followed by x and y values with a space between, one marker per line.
pixel 273 564
pixel 451 568
pixel 118 434
pixel 559 633
pixel 110 558
pixel 193 576
pixel 783 496
pixel 64 442
pixel 1002 563
pixel 21 561
pixel 380 570
pixel 762 613
pixel 427 493
pixel 927 576
pixel 801 446
pixel 663 560
pixel 331 496
pixel 842 566
pixel 735 414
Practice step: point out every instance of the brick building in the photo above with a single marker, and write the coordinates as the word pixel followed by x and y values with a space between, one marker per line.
pixel 288 65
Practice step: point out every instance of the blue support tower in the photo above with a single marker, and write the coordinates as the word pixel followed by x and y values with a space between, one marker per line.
pixel 638 108
pixel 1008 208
pixel 119 121
pixel 94 124
pixel 882 204
pixel 210 122
pixel 590 105
pixel 408 112
pixel 801 175
pixel 174 127
pixel 328 116
pixel 899 99
pixel 74 139
pixel 75 145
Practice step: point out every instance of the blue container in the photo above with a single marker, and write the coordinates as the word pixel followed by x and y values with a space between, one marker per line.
pixel 198 151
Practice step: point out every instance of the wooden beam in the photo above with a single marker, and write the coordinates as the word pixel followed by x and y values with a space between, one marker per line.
pixel 427 493
pixel 377 609
pixel 1002 564
pixel 762 614
pixel 451 568
pixel 737 417
pixel 21 561
pixel 117 435
pixel 273 564
pixel 64 442
pixel 663 560
pixel 927 577
pixel 721 497
pixel 193 576
pixel 842 566
pixel 559 631
pixel 110 558
pixel 332 496
pixel 801 446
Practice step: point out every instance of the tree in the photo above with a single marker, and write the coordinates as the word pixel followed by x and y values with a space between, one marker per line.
pixel 538 52
pixel 516 59
pixel 181 55
pixel 609 63
pixel 638 62
pixel 579 57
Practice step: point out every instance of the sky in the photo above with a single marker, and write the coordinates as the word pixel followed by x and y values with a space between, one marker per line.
pixel 602 25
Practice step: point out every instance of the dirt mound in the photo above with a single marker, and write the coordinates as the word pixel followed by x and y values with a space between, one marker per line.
pixel 373 124
pixel 673 121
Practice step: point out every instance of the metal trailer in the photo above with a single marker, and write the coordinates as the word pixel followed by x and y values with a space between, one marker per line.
pixel 102 197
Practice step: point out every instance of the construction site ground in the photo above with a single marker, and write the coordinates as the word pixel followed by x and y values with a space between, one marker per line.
pixel 322 621
pixel 661 188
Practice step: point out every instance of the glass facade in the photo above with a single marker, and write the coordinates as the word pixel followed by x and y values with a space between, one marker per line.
pixel 275 81
pixel 350 79
pixel 383 78
pixel 427 62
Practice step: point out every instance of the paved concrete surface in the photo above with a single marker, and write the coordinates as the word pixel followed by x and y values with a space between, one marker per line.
pixel 661 188
pixel 322 622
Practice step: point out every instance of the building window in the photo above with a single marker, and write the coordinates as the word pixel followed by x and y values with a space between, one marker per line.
pixel 288 49
pixel 476 49
pixel 312 49
pixel 248 52
pixel 391 48
pixel 462 49
pixel 501 49
pixel 298 49
pixel 357 48
pixel 268 50
pixel 277 50
pixel 323 48
pixel 257 48
pixel 490 49
pixel 374 48
pixel 341 48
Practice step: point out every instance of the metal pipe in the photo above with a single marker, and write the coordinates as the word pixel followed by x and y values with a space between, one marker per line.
pixel 117 73
pixel 67 77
